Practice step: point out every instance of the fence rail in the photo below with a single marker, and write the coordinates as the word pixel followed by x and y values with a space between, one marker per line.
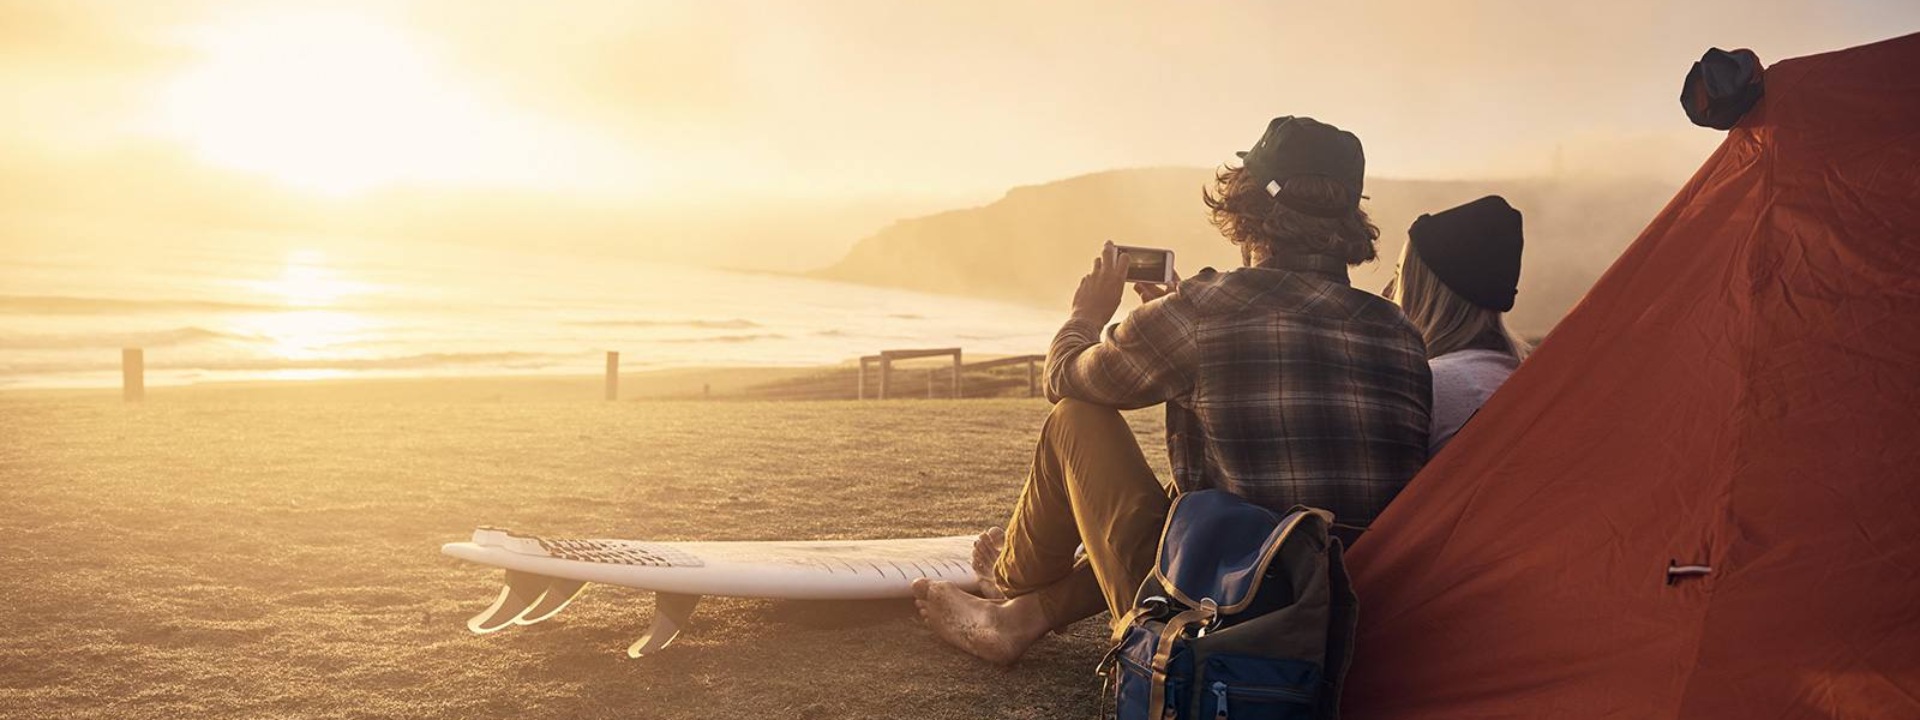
pixel 877 378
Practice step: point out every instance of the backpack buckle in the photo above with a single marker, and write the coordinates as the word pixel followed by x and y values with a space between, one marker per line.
pixel 1212 617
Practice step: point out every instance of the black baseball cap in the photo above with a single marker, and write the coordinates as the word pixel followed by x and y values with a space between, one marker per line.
pixel 1294 146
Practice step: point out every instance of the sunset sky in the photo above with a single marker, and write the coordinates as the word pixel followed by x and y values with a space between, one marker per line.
pixel 823 118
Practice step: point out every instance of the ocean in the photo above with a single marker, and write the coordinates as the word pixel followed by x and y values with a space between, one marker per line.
pixel 291 308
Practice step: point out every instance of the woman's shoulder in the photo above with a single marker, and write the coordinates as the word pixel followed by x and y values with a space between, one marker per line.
pixel 1477 356
pixel 1492 364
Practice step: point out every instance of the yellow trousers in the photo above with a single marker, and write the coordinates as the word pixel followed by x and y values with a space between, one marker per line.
pixel 1090 485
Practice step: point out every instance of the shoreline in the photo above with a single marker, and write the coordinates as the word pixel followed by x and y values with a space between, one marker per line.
pixel 658 384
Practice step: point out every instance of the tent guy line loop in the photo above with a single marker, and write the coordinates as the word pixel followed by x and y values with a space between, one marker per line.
pixel 1675 571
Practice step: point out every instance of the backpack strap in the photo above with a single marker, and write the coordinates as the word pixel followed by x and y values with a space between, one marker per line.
pixel 1175 629
pixel 1343 615
pixel 1126 621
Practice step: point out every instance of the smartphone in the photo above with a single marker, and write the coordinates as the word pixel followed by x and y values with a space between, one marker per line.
pixel 1148 265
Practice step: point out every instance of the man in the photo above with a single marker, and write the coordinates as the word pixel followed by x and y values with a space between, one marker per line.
pixel 1283 384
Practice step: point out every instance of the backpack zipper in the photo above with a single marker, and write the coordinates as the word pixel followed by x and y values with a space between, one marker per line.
pixel 1221 691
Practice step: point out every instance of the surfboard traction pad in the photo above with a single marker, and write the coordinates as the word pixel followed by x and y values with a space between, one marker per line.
pixel 612 552
pixel 530 598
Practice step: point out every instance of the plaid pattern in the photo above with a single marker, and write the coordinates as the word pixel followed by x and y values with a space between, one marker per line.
pixel 1283 384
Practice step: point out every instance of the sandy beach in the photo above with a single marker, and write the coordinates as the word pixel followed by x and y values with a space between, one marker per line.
pixel 272 551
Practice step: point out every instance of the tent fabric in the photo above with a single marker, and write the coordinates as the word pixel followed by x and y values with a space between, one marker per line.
pixel 1741 390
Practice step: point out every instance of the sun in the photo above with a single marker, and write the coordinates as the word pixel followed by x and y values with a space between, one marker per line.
pixel 339 104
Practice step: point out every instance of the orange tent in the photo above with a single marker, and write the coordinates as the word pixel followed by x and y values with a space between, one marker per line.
pixel 1739 393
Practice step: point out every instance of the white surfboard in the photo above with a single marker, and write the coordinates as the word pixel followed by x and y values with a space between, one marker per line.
pixel 544 575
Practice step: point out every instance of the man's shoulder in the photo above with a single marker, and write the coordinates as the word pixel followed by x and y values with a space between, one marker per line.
pixel 1213 292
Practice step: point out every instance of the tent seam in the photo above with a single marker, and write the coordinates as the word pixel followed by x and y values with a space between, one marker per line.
pixel 1724 521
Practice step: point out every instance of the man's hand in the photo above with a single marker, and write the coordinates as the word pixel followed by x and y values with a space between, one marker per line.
pixel 1099 293
pixel 1150 292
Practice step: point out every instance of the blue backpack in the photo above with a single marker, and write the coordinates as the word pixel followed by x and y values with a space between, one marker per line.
pixel 1248 614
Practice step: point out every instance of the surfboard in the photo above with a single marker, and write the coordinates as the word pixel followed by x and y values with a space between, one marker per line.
pixel 544 575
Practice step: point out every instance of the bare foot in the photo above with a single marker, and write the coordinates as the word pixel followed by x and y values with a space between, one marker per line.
pixel 986 550
pixel 998 632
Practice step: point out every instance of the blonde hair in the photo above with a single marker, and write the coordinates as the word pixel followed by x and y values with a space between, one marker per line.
pixel 1447 321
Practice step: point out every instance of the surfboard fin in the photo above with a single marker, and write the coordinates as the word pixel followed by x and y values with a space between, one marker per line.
pixel 670 613
pixel 521 592
pixel 527 599
pixel 558 594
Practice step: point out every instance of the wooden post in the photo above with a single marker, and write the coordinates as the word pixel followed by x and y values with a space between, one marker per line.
pixel 860 382
pixel 133 375
pixel 930 374
pixel 1033 379
pixel 886 370
pixel 613 376
pixel 956 374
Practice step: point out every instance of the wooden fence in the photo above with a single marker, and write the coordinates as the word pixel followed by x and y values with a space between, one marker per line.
pixel 885 361
pixel 999 377
pixel 878 378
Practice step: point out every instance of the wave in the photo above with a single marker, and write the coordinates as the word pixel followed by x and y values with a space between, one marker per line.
pixel 159 338
pixel 735 324
pixel 726 338
pixel 63 305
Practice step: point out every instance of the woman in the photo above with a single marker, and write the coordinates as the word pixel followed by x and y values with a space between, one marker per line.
pixel 1458 276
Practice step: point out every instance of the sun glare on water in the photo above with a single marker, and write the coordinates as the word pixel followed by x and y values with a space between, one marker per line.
pixel 312 327
pixel 307 281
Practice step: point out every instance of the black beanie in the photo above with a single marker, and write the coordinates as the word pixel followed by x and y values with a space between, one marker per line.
pixel 1474 249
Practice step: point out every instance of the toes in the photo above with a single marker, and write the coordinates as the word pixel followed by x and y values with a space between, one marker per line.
pixel 990 540
pixel 938 589
pixel 921 586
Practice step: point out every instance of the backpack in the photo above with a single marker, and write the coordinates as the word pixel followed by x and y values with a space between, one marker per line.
pixel 1248 614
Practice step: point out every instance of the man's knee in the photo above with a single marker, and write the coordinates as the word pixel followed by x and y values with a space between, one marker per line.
pixel 1080 413
pixel 1090 441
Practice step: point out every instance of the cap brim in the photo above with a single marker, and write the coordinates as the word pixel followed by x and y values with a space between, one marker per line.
pixel 1242 154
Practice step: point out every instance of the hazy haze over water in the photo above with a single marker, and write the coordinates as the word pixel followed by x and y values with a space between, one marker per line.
pixel 227 312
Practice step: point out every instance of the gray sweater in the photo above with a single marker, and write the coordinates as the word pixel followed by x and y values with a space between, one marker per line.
pixel 1462 381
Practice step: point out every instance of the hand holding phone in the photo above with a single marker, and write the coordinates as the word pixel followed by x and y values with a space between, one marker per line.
pixel 1149 265
pixel 1151 271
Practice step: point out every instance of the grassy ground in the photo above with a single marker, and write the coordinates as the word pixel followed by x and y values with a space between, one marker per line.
pixel 196 556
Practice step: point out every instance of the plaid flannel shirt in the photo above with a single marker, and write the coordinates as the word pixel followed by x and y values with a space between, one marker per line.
pixel 1283 384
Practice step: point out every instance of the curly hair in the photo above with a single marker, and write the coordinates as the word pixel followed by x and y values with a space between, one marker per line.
pixel 1249 216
